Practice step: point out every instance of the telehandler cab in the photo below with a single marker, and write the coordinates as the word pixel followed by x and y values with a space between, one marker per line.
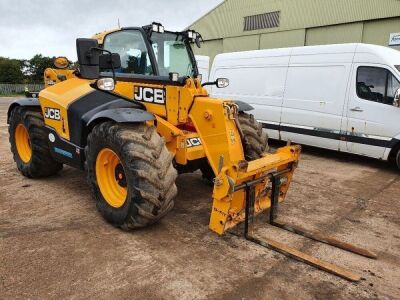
pixel 134 115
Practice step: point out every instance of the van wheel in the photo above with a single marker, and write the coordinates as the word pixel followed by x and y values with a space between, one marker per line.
pixel 255 142
pixel 131 174
pixel 398 159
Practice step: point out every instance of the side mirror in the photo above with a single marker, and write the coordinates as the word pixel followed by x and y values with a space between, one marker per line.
pixel 219 83
pixel 88 58
pixel 222 82
pixel 396 101
pixel 108 62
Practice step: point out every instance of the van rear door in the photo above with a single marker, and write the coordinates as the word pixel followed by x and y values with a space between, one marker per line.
pixel 203 65
pixel 372 120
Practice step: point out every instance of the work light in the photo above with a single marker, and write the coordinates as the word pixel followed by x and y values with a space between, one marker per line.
pixel 157 27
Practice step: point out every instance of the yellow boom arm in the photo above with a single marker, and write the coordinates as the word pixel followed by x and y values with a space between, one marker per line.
pixel 215 121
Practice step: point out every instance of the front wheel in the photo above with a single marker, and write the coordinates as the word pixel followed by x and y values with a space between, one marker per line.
pixel 131 174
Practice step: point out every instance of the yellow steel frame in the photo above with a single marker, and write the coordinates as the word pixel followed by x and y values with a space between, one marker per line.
pixel 214 120
pixel 216 126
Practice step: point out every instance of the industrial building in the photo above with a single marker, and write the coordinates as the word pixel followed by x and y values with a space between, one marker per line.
pixel 238 25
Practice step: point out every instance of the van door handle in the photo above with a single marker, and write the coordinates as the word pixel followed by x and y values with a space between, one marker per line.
pixel 357 108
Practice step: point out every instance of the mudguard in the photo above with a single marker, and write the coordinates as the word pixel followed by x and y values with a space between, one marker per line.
pixel 28 102
pixel 98 106
pixel 243 106
pixel 122 115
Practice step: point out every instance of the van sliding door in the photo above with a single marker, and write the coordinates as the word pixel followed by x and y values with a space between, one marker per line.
pixel 313 104
pixel 259 82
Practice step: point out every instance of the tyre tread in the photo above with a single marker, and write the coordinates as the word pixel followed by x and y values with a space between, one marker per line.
pixel 148 160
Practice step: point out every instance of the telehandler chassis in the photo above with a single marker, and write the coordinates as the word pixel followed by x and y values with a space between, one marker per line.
pixel 132 126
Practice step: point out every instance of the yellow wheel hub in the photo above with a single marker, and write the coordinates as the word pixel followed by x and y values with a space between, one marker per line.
pixel 111 178
pixel 23 143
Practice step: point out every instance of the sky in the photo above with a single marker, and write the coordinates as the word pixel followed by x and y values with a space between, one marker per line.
pixel 50 27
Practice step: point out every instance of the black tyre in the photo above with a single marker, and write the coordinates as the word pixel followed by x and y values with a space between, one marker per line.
pixel 255 142
pixel 29 145
pixel 131 174
pixel 255 139
pixel 398 159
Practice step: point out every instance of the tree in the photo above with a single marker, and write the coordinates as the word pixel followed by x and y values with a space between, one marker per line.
pixel 36 66
pixel 11 70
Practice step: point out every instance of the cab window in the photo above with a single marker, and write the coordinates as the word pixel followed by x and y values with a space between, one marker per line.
pixel 376 84
pixel 131 47
pixel 171 54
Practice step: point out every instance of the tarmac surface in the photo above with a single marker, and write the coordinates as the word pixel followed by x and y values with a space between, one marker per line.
pixel 55 245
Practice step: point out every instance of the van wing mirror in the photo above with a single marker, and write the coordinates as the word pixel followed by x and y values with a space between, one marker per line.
pixel 396 101
pixel 88 58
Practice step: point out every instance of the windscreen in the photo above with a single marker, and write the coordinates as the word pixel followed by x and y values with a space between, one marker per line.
pixel 172 54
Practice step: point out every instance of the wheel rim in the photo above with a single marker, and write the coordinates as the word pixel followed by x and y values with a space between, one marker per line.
pixel 111 178
pixel 23 143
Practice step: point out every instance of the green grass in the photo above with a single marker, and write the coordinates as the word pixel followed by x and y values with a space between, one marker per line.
pixel 12 95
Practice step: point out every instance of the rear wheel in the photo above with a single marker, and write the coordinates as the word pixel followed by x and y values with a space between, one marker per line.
pixel 131 174
pixel 255 142
pixel 398 159
pixel 29 145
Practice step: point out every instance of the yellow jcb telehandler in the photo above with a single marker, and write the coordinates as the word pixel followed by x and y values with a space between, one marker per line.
pixel 134 115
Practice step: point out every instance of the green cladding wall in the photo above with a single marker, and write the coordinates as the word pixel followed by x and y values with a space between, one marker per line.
pixel 302 22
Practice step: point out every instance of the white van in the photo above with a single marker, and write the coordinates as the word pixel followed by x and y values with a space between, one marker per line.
pixel 339 97
pixel 203 65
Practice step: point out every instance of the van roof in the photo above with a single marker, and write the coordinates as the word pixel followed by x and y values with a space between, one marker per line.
pixel 364 53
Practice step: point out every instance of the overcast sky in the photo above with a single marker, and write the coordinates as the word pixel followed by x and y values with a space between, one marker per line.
pixel 29 27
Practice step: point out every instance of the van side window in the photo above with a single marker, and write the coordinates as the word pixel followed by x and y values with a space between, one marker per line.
pixel 376 84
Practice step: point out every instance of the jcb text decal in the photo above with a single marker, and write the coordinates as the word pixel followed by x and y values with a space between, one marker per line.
pixel 193 142
pixel 150 95
pixel 52 113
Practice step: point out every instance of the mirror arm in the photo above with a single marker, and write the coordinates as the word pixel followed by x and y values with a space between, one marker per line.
pixel 199 39
pixel 209 83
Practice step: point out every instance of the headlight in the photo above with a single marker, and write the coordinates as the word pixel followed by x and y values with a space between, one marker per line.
pixel 105 84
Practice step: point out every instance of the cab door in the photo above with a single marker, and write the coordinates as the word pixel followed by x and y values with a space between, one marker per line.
pixel 372 119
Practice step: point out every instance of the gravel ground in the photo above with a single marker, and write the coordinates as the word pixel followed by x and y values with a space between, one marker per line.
pixel 54 244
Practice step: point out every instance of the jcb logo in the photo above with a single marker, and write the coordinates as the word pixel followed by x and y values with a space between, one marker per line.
pixel 52 113
pixel 193 142
pixel 150 95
